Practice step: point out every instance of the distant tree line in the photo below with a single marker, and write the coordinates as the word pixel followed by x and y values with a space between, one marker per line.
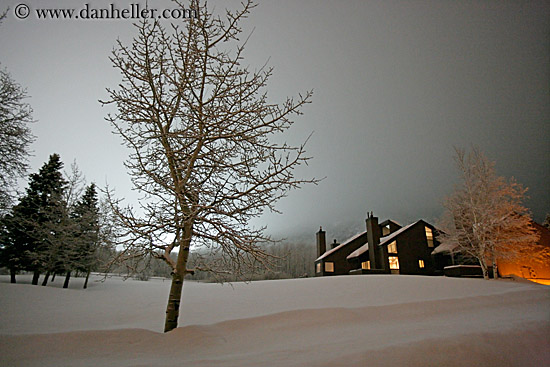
pixel 291 260
pixel 55 228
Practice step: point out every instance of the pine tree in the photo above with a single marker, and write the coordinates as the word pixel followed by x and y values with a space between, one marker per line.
pixel 53 222
pixel 19 238
pixel 34 228
pixel 86 219
pixel 10 253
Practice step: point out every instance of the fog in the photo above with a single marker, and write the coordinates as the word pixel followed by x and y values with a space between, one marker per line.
pixel 397 85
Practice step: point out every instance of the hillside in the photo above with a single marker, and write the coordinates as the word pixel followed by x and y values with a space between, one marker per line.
pixel 338 321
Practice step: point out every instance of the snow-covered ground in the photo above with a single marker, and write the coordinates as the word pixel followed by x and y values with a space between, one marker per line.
pixel 336 321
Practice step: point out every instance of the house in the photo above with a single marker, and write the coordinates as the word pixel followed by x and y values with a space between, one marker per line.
pixel 395 250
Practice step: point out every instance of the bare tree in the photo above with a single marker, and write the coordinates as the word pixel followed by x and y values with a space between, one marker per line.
pixel 201 131
pixel 76 184
pixel 484 217
pixel 15 136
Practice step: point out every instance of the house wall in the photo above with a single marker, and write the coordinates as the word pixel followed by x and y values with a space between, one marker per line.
pixel 341 265
pixel 392 227
pixel 356 264
pixel 413 246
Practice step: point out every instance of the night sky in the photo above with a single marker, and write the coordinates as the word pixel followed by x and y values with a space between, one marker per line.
pixel 397 84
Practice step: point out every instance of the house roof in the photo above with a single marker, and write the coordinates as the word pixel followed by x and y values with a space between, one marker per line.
pixel 383 240
pixel 345 243
pixel 361 250
pixel 388 221
pixel 445 248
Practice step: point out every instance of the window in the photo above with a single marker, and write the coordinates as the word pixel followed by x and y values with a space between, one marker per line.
pixel 386 230
pixel 392 248
pixel 421 264
pixel 429 237
pixel 394 262
pixel 365 265
pixel 329 267
pixel 318 268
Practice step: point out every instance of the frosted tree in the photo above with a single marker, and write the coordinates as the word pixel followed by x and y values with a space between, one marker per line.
pixel 15 136
pixel 484 217
pixel 205 144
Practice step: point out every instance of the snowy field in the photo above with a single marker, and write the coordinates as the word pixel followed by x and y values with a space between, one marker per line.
pixel 337 321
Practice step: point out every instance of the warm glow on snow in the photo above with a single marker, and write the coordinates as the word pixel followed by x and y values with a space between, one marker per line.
pixel 534 271
pixel 534 267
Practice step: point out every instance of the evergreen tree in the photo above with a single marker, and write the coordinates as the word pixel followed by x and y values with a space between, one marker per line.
pixel 19 240
pixel 50 229
pixel 34 228
pixel 9 256
pixel 86 237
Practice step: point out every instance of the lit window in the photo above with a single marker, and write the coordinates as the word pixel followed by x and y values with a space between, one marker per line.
pixel 329 267
pixel 430 237
pixel 318 269
pixel 421 264
pixel 394 262
pixel 386 230
pixel 392 248
pixel 365 265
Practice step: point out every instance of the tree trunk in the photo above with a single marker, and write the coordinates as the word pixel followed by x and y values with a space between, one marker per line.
pixel 174 299
pixel 53 276
pixel 67 277
pixel 495 270
pixel 484 269
pixel 12 275
pixel 86 281
pixel 45 281
pixel 35 277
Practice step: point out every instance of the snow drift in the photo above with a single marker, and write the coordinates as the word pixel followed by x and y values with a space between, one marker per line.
pixel 337 321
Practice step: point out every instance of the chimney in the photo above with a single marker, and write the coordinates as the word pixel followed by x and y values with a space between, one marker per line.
pixel 373 239
pixel 334 244
pixel 321 242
